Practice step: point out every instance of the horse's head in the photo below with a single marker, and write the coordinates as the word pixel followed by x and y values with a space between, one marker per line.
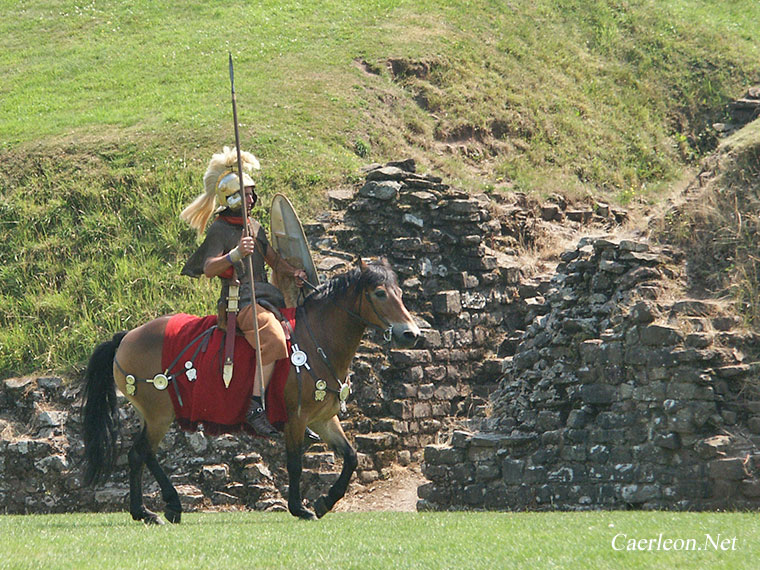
pixel 381 303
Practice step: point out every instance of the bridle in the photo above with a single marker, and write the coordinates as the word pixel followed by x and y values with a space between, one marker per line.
pixel 387 331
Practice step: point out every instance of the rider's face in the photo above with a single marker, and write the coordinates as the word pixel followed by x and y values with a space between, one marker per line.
pixel 250 196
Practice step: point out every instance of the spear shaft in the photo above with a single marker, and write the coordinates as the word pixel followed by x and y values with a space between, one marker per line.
pixel 259 378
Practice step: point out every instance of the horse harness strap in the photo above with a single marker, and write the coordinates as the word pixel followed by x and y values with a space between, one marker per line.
pixel 162 380
pixel 233 298
pixel 299 359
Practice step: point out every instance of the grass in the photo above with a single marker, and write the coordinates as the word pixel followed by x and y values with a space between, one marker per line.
pixel 108 114
pixel 718 225
pixel 377 540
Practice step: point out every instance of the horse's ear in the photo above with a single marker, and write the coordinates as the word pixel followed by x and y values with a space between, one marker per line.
pixel 361 264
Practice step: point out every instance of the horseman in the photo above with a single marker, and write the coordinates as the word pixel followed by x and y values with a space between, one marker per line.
pixel 221 255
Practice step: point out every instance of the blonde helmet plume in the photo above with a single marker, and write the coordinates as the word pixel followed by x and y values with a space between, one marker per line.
pixel 199 211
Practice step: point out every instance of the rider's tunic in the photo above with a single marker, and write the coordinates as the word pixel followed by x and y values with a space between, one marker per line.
pixel 222 236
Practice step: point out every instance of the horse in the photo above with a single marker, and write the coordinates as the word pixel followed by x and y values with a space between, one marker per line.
pixel 329 326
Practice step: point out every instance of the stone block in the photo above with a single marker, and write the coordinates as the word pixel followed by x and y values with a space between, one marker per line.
pixel 512 471
pixel 750 488
pixel 732 468
pixel 443 455
pixel 643 312
pixel 549 212
pixel 410 357
pixel 636 494
pixel 402 409
pixel 598 394
pixel 375 442
pixel 380 189
pixel 668 441
pixel 474 494
pixel 421 410
pixel 447 302
pixel 487 472
pixel 425 391
pixel 659 335
pixel 636 246
pixel 215 473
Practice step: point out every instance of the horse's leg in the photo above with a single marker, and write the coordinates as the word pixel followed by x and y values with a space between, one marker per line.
pixel 332 433
pixel 173 511
pixel 294 435
pixel 143 453
pixel 137 458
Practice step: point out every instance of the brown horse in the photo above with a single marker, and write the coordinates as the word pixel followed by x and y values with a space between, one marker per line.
pixel 329 327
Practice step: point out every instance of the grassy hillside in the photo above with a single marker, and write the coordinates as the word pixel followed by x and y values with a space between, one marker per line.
pixel 718 224
pixel 109 112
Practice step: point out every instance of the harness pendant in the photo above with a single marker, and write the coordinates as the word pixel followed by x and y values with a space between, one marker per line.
pixel 345 391
pixel 321 391
pixel 131 388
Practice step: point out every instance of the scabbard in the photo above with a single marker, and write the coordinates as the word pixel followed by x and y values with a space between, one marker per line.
pixel 233 299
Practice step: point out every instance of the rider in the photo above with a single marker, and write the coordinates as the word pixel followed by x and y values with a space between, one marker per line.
pixel 222 253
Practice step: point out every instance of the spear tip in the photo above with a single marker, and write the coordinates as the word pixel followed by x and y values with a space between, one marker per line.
pixel 232 74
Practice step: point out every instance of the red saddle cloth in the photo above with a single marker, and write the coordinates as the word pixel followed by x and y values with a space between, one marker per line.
pixel 205 399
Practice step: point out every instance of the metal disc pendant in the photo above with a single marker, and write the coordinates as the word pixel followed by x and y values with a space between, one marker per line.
pixel 160 382
pixel 298 358
pixel 320 393
pixel 345 391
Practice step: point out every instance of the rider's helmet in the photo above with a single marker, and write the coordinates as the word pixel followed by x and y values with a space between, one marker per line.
pixel 228 190
pixel 222 187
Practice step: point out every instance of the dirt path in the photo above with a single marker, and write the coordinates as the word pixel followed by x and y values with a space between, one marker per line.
pixel 397 493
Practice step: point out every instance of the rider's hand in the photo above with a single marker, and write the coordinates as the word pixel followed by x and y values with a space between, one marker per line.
pixel 243 249
pixel 246 246
pixel 300 276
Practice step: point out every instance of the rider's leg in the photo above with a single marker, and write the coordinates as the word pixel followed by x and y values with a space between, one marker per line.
pixel 273 347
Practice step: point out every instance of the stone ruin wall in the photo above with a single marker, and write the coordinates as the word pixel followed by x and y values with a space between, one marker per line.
pixel 577 390
pixel 615 398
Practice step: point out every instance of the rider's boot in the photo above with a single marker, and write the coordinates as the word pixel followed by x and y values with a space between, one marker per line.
pixel 257 419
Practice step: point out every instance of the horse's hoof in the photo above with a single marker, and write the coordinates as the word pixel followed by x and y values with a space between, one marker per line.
pixel 304 514
pixel 153 519
pixel 173 516
pixel 320 507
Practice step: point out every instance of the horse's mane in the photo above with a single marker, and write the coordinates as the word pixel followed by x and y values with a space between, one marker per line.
pixel 377 272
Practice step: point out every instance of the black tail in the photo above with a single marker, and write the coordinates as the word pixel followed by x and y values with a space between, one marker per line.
pixel 100 421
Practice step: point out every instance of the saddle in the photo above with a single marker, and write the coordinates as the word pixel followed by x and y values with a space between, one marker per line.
pixel 198 391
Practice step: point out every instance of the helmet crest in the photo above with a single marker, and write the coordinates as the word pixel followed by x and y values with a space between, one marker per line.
pixel 221 183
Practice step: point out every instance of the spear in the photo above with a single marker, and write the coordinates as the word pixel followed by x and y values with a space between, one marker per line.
pixel 259 378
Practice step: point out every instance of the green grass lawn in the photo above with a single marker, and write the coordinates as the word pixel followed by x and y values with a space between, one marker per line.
pixel 384 540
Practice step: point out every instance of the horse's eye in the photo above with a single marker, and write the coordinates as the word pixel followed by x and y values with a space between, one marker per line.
pixel 381 294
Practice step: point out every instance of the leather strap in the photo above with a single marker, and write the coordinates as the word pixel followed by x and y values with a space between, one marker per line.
pixel 233 298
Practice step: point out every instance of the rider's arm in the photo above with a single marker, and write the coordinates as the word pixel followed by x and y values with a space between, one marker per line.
pixel 217 265
pixel 276 262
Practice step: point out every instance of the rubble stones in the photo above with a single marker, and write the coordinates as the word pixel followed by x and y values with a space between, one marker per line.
pixel 597 399
pixel 606 403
